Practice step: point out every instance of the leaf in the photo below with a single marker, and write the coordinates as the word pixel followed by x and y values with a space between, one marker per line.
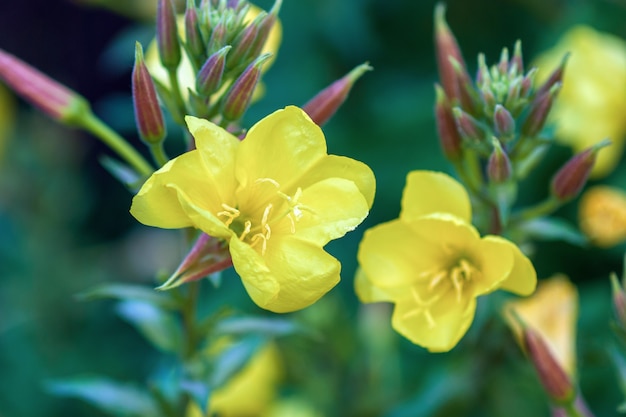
pixel 199 392
pixel 233 359
pixel 114 398
pixel 121 172
pixel 551 228
pixel 156 325
pixel 129 292
pixel 259 325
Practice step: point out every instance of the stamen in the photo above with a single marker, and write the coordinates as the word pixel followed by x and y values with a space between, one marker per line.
pixel 246 230
pixel 266 214
pixel 270 180
pixel 231 214
pixel 437 279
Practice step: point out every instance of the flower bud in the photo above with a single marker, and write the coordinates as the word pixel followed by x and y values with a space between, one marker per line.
pixel 449 137
pixel 238 97
pixel 499 167
pixel 209 78
pixel 572 177
pixel 465 89
pixel 504 124
pixel 242 46
pixel 208 255
pixel 148 114
pixel 218 37
pixel 552 376
pixel 468 127
pixel 446 47
pixel 264 24
pixel 167 35
pixel 555 78
pixel 51 97
pixel 503 64
pixel 193 37
pixel 539 110
pixel 517 63
pixel 527 83
pixel 483 78
pixel 325 103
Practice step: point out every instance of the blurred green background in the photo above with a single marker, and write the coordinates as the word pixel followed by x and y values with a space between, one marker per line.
pixel 65 226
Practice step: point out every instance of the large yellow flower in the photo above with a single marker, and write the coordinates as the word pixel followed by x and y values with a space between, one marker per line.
pixel 552 312
pixel 592 103
pixel 602 214
pixel 276 197
pixel 432 263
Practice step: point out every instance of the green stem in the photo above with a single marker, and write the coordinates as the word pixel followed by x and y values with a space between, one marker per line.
pixel 189 318
pixel 178 98
pixel 158 153
pixel 113 140
pixel 542 209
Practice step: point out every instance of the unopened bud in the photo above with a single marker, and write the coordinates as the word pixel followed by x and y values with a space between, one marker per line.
pixel 208 255
pixel 265 24
pixel 148 114
pixel 325 103
pixel 446 47
pixel 619 300
pixel 539 110
pixel 242 46
pixel 51 97
pixel 527 83
pixel 555 78
pixel 503 64
pixel 218 37
pixel 167 35
pixel 193 37
pixel 468 127
pixel 503 123
pixel 238 97
pixel 465 89
pixel 209 78
pixel 449 137
pixel 483 78
pixel 552 376
pixel 572 177
pixel 499 167
pixel 517 63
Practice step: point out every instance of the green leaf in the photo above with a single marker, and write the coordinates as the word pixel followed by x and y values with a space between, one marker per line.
pixel 122 172
pixel 551 228
pixel 112 397
pixel 129 292
pixel 259 325
pixel 233 359
pixel 159 327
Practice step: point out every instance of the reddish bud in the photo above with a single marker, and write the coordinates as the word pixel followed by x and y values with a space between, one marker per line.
pixel 446 47
pixel 539 110
pixel 242 46
pixel 218 37
pixel 264 24
pixel 194 41
pixel 552 376
pixel 325 103
pixel 51 97
pixel 527 83
pixel 209 78
pixel 148 114
pixel 449 137
pixel 238 97
pixel 167 35
pixel 482 75
pixel 572 177
pixel 468 127
pixel 517 63
pixel 208 255
pixel 465 90
pixel 503 122
pixel 499 165
pixel 503 64
pixel 555 78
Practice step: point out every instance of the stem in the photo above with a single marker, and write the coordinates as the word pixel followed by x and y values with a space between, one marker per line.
pixel 189 318
pixel 542 209
pixel 113 140
pixel 178 98
pixel 158 154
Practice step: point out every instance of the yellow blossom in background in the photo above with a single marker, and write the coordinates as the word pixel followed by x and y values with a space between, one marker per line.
pixel 592 103
pixel 602 215
pixel 251 392
pixel 552 312
pixel 276 198
pixel 186 74
pixel 7 117
pixel 433 264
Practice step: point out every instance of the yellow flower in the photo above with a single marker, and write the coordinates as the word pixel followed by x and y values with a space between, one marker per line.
pixel 186 74
pixel 433 264
pixel 552 312
pixel 276 197
pixel 602 214
pixel 251 392
pixel 592 103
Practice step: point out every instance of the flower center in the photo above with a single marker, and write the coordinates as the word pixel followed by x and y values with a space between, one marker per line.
pixel 255 226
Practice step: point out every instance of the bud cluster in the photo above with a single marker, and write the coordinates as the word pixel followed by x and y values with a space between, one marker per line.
pixel 492 127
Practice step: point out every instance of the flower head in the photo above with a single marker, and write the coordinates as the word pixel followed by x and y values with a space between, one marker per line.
pixel 276 198
pixel 433 264
pixel 602 214
pixel 592 100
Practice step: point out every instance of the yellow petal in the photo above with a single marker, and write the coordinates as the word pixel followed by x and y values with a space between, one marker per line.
pixel 199 216
pixel 331 208
pixel 281 147
pixel 450 322
pixel 156 204
pixel 343 167
pixel 428 192
pixel 366 291
pixel 496 262
pixel 218 150
pixel 522 279
pixel 301 271
pixel 392 255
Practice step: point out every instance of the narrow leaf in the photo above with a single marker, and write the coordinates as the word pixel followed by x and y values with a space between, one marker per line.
pixel 157 326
